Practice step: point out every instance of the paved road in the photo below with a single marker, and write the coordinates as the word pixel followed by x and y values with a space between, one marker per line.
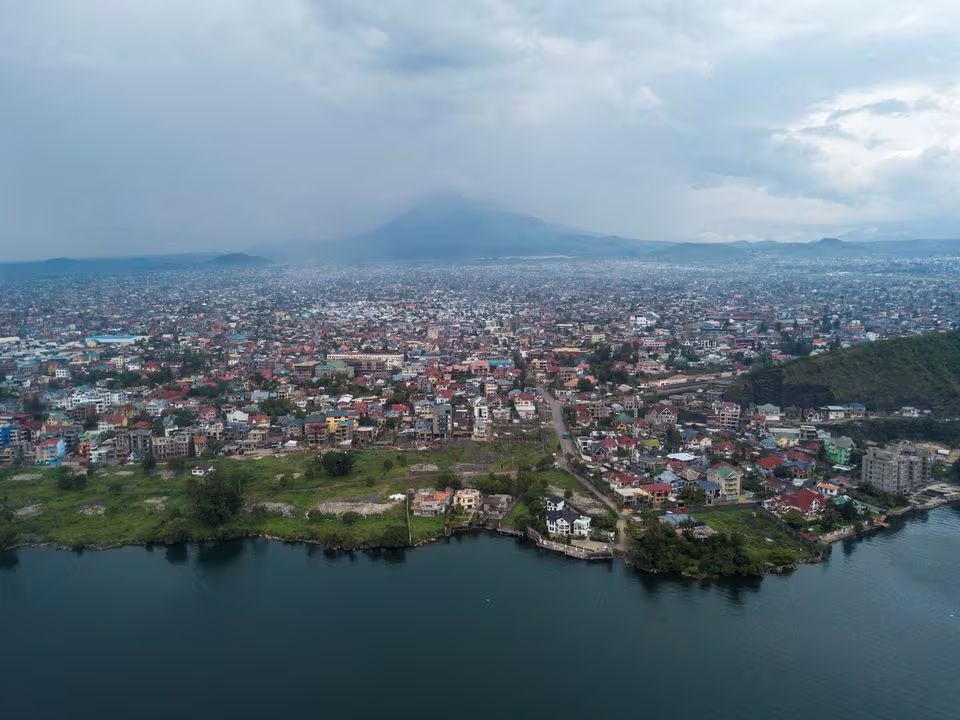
pixel 567 446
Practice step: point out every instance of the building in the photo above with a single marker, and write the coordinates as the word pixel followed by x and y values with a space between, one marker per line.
pixel 726 416
pixel 368 362
pixel 315 429
pixel 896 469
pixel 567 521
pixel 430 503
pixel 467 498
pixel 838 450
pixel 172 446
pixel 728 478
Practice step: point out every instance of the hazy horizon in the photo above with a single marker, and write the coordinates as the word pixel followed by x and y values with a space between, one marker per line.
pixel 166 126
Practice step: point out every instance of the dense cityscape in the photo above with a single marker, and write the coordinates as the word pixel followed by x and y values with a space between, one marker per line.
pixel 369 395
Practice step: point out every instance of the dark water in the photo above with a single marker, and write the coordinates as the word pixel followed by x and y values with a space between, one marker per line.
pixel 478 627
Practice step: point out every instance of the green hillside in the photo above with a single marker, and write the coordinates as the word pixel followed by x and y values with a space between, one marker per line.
pixel 921 371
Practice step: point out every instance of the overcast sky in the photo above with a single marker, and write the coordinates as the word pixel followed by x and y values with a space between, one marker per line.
pixel 133 126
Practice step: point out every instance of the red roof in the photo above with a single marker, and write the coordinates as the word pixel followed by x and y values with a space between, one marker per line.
pixel 770 462
pixel 802 500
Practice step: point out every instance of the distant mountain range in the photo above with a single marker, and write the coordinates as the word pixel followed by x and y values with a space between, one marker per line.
pixel 198 262
pixel 453 228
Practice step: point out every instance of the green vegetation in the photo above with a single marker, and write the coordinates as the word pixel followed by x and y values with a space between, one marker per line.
pixel 878 498
pixel 270 496
pixel 887 430
pixel 337 464
pixel 747 543
pixel 920 371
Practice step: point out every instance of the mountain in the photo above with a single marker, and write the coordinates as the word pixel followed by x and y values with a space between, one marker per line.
pixel 922 371
pixel 683 253
pixel 235 260
pixel 451 227
pixel 65 267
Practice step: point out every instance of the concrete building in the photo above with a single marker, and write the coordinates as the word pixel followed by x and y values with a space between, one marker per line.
pixel 896 469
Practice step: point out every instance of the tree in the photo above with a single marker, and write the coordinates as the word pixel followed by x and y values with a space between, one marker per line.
pixel 387 465
pixel 349 518
pixel 8 534
pixel 448 479
pixel 69 480
pixel 337 464
pixel 584 385
pixel 216 499
pixel 149 463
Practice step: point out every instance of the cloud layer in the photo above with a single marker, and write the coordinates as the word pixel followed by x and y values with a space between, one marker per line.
pixel 168 125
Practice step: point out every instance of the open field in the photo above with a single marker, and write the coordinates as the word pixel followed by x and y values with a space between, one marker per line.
pixel 122 505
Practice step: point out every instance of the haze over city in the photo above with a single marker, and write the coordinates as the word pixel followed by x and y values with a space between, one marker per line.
pixel 170 126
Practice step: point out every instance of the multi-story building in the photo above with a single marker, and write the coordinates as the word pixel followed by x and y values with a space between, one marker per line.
pixel 369 362
pixel 726 416
pixel 838 450
pixel 176 445
pixel 896 469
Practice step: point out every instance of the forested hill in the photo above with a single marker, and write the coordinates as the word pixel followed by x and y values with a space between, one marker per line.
pixel 921 371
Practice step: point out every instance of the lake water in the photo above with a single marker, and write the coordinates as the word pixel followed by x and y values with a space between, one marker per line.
pixel 479 626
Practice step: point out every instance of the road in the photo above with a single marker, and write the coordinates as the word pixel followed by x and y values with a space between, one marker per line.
pixel 567 446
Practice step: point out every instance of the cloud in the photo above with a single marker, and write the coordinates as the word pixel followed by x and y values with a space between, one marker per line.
pixel 172 125
pixel 889 106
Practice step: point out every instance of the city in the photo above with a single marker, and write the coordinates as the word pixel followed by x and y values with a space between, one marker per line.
pixel 580 403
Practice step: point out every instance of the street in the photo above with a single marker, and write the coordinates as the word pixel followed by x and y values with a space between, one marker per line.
pixel 567 446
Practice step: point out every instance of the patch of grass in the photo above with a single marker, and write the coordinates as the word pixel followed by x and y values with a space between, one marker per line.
pixel 756 528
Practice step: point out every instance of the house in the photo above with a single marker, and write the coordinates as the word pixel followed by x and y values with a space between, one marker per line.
pixel 668 477
pixel 467 498
pixel 711 491
pixel 525 406
pixel 838 450
pixel 728 478
pixel 662 416
pixel 431 503
pixel 553 502
pixel 658 492
pixel 50 452
pixel 566 522
pixel 806 502
pixel 496 506
pixel 828 489
pixel 629 496
pixel 621 480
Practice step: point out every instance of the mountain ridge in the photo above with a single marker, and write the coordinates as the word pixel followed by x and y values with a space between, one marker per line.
pixel 922 371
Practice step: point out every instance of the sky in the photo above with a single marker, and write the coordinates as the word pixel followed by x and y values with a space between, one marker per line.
pixel 139 126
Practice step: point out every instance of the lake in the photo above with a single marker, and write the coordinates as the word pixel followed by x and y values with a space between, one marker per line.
pixel 480 626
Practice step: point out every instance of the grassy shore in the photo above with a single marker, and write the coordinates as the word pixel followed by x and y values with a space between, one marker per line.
pixel 126 505
pixel 765 540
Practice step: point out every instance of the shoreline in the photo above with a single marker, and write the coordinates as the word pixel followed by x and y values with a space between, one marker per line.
pixel 904 514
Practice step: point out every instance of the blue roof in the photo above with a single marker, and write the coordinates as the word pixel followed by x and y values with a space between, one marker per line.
pixel 676 519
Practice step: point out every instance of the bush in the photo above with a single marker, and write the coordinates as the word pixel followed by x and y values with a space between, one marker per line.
pixel 68 480
pixel 349 518
pixel 115 488
pixel 337 464
pixel 149 463
pixel 8 535
pixel 215 500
